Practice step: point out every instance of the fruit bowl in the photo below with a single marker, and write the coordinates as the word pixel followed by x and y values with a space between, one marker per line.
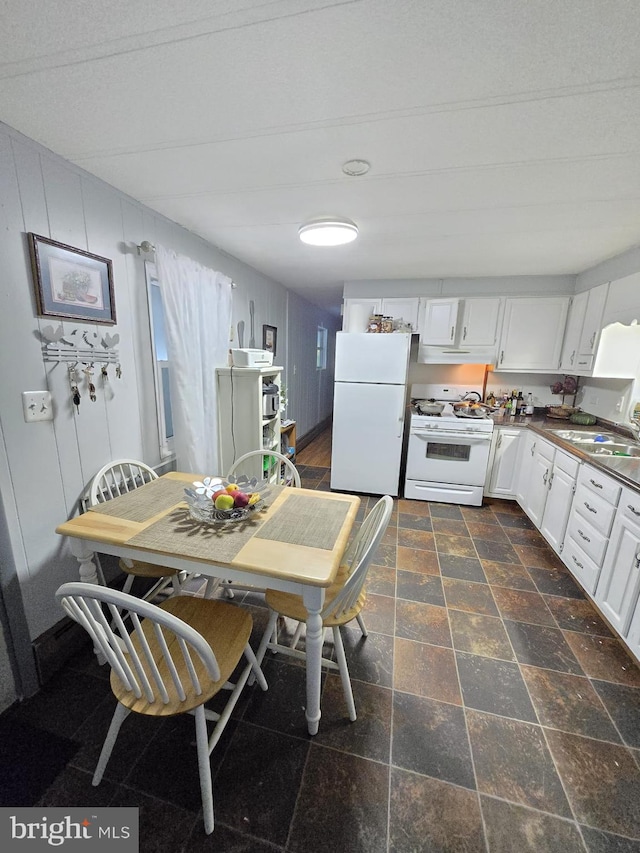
pixel 206 500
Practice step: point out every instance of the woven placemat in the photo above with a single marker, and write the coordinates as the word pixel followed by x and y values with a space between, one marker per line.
pixel 145 502
pixel 306 520
pixel 180 534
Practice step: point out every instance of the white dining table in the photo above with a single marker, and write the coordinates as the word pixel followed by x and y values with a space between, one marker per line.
pixel 295 544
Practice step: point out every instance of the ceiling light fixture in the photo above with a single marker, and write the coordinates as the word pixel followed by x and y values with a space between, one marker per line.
pixel 355 168
pixel 328 232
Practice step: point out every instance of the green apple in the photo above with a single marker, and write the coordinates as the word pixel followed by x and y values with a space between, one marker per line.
pixel 224 501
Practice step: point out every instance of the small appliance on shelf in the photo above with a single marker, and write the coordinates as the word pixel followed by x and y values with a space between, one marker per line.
pixel 251 358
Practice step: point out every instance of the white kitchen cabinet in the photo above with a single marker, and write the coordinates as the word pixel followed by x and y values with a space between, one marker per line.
pixel 562 484
pixel 502 470
pixel 438 321
pixel 355 317
pixel 592 514
pixel 241 424
pixel 479 327
pixel 532 334
pixel 592 326
pixel 633 637
pixel 618 587
pixel 525 462
pixel 538 486
pixel 402 308
pixel 357 312
pixel 573 332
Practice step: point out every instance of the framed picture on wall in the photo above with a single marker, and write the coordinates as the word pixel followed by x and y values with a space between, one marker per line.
pixel 269 338
pixel 71 283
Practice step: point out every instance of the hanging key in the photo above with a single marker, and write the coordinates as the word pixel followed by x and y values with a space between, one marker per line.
pixel 118 371
pixel 92 392
pixel 76 397
pixel 104 372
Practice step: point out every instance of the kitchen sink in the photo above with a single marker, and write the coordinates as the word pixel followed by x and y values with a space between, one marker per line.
pixel 613 449
pixel 585 436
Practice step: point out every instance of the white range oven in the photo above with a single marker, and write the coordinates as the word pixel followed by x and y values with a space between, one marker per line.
pixel 447 455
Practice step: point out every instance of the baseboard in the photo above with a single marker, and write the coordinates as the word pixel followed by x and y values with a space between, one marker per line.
pixel 308 437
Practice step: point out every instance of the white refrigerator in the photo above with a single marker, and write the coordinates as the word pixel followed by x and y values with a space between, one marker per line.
pixel 370 396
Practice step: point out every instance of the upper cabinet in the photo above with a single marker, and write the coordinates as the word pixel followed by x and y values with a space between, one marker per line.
pixel 573 332
pixel 459 322
pixel 532 334
pixel 479 327
pixel 357 312
pixel 438 321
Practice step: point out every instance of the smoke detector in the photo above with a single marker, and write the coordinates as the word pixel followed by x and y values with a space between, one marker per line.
pixel 355 168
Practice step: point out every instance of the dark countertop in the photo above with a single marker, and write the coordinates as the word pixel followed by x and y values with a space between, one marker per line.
pixel 622 468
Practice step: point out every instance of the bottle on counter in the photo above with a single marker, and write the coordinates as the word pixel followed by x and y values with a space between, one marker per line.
pixel 520 404
pixel 528 409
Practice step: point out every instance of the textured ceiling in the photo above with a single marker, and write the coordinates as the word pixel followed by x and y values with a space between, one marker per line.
pixel 503 135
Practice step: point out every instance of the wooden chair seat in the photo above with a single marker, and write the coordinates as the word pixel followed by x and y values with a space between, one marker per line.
pixel 226 629
pixel 147 570
pixel 291 605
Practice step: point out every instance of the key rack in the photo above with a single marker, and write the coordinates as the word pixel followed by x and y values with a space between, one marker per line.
pixel 57 348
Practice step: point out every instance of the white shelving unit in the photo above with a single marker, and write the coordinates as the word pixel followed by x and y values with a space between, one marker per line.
pixel 241 425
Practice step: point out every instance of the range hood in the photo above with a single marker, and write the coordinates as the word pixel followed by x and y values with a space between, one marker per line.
pixel 456 355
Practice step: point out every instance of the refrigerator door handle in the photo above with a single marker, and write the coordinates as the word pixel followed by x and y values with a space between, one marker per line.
pixel 401 422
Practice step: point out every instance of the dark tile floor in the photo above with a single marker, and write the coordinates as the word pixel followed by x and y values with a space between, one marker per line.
pixel 496 712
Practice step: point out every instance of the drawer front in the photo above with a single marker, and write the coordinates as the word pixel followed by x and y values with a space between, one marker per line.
pixel 565 462
pixel 584 362
pixel 629 505
pixel 592 542
pixel 598 512
pixel 600 484
pixel 581 566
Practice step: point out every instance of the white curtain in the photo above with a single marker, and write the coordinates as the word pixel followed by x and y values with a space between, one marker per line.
pixel 197 308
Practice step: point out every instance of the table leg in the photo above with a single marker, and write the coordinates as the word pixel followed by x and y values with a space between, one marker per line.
pixel 84 555
pixel 313 600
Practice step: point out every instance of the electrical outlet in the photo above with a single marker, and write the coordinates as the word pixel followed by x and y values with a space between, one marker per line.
pixel 37 406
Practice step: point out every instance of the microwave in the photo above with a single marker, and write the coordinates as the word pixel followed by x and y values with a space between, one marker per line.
pixel 270 400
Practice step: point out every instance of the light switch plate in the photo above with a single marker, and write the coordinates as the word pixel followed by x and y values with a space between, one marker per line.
pixel 37 406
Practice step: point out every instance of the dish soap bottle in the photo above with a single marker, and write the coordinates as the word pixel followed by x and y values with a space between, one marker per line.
pixel 528 409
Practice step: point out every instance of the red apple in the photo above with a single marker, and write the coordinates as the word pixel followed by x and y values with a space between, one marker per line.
pixel 240 499
pixel 217 494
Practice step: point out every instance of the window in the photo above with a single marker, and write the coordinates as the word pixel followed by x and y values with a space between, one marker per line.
pixel 321 348
pixel 161 364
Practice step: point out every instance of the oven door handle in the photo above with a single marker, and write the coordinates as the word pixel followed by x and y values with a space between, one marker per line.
pixel 443 436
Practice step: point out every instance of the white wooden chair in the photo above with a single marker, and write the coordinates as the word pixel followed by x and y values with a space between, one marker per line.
pixel 118 478
pixel 178 656
pixel 275 466
pixel 344 599
pixel 267 464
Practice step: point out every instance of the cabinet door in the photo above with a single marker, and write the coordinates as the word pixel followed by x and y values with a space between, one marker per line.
pixel 619 584
pixel 504 470
pixel 538 490
pixel 357 312
pixel 532 334
pixel 573 331
pixel 439 321
pixel 402 309
pixel 557 508
pixel 525 462
pixel 479 322
pixel 592 326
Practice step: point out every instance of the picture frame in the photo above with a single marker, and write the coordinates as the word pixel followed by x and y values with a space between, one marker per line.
pixel 270 339
pixel 71 283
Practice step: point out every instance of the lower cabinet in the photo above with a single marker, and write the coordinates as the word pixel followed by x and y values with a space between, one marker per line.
pixel 535 497
pixel 593 511
pixel 618 588
pixel 503 462
pixel 545 487
pixel 562 484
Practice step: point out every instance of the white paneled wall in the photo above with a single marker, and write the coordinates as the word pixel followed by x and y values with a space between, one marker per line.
pixel 44 467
